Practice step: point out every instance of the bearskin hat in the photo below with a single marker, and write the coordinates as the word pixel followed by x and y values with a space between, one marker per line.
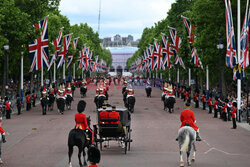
pixel 235 104
pixel 94 155
pixel 187 104
pixel 81 106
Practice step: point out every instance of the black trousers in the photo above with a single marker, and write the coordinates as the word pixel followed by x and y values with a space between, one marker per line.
pixel 215 113
pixel 19 110
pixel 8 114
pixel 197 104
pixel 28 106
pixel 210 109
pixel 234 123
pixel 204 105
pixel 34 103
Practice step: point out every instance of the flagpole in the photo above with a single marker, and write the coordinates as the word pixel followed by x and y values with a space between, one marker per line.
pixel 207 78
pixel 42 74
pixel 189 77
pixel 238 51
pixel 178 75
pixel 54 72
pixel 22 72
pixel 64 71
pixel 169 74
pixel 74 72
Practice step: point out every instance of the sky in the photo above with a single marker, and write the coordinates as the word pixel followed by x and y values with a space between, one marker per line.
pixel 124 17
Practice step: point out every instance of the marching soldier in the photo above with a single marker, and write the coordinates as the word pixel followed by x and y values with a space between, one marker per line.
pixel 28 101
pixel 203 99
pixel 215 105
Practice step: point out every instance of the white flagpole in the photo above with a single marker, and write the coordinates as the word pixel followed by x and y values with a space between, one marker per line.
pixel 178 75
pixel 207 78
pixel 238 51
pixel 64 71
pixel 54 72
pixel 22 71
pixel 189 77
pixel 161 75
pixel 169 78
pixel 74 72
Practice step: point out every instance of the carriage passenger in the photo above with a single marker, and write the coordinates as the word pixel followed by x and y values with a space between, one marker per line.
pixel 187 117
pixel 103 115
pixel 81 120
pixel 114 115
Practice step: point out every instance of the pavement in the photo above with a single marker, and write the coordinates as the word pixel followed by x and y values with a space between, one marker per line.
pixel 35 140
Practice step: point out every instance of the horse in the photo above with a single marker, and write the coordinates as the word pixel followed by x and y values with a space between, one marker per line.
pixel 131 103
pixel 69 99
pixel 83 91
pixel 60 104
pixel 148 91
pixel 169 103
pixel 44 102
pixel 77 137
pixel 51 102
pixel 186 138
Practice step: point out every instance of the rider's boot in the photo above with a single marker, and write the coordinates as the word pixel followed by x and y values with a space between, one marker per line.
pixel 3 137
pixel 198 137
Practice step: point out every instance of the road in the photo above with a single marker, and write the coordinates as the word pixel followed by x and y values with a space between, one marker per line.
pixel 36 140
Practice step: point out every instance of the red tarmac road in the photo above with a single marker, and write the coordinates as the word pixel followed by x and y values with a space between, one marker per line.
pixel 37 140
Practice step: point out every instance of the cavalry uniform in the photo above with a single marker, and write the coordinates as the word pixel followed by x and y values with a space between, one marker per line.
pixel 130 92
pixel 187 116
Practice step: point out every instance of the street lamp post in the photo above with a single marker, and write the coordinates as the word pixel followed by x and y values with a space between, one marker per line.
pixel 6 48
pixel 220 47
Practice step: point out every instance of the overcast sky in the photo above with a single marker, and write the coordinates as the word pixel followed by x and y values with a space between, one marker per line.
pixel 122 17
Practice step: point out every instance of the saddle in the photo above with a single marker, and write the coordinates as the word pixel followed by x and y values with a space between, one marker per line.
pixel 187 124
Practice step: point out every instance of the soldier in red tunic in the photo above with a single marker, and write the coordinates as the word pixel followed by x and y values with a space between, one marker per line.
pixel 2 131
pixel 203 99
pixel 28 101
pixel 234 112
pixel 34 98
pixel 81 120
pixel 94 156
pixel 209 102
pixel 196 99
pixel 187 117
pixel 215 105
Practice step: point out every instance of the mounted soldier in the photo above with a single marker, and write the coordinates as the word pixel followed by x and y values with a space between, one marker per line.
pixel 69 96
pixel 44 100
pixel 130 99
pixel 60 99
pixel 148 88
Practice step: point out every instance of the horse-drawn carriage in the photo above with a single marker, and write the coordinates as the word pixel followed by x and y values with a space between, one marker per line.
pixel 109 129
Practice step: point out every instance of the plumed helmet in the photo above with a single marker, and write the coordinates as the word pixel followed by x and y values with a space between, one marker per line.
pixel 81 106
pixel 94 155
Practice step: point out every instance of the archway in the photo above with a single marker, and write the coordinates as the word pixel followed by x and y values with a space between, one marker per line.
pixel 112 69
pixel 126 69
pixel 119 70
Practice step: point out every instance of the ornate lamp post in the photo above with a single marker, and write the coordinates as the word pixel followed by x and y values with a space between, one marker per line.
pixel 220 47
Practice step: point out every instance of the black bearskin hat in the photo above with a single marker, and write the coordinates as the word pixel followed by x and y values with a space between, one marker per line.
pixel 187 104
pixel 94 155
pixel 81 106
pixel 226 100
pixel 235 104
pixel 204 92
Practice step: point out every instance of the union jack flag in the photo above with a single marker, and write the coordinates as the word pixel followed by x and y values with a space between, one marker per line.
pixel 95 65
pixel 176 40
pixel 70 57
pixel 231 59
pixel 81 61
pixel 244 40
pixel 179 60
pixel 65 49
pixel 166 52
pixel 57 43
pixel 39 49
pixel 157 56
pixel 151 57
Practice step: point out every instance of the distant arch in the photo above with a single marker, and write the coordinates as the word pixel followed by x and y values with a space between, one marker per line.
pixel 119 69
pixel 126 69
pixel 112 69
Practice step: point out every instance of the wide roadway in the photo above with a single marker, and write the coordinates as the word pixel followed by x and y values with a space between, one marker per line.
pixel 36 140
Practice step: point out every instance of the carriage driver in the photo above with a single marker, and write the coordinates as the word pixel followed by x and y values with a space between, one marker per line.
pixel 187 117
pixel 81 121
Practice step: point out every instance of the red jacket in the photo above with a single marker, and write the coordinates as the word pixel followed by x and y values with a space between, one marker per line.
pixel 234 111
pixel 215 104
pixel 103 115
pixel 7 104
pixel 2 130
pixel 187 94
pixel 187 116
pixel 93 165
pixel 225 108
pixel 196 95
pixel 81 121
pixel 209 102
pixel 33 96
pixel 203 99
pixel 28 99
pixel 114 115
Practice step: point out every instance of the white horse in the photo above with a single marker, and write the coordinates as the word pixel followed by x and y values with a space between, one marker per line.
pixel 186 138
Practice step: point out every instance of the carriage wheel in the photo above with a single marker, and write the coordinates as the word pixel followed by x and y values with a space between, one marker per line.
pixel 129 138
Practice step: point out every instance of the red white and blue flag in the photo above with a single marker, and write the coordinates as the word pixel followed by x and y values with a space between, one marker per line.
pixel 166 52
pixel 39 49
pixel 57 43
pixel 81 60
pixel 65 49
pixel 231 59
pixel 179 61
pixel 244 40
pixel 70 57
pixel 157 56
